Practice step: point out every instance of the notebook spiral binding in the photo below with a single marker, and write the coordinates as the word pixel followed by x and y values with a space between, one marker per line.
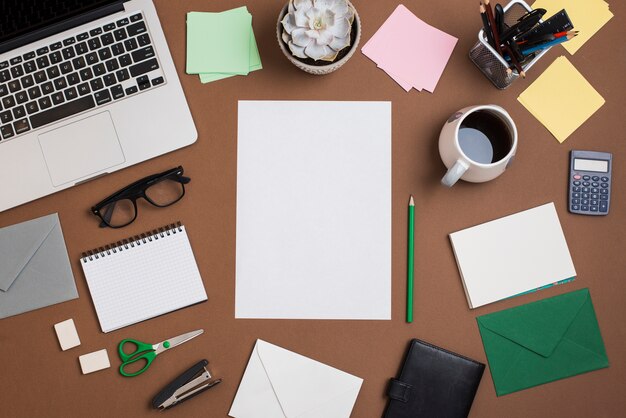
pixel 131 242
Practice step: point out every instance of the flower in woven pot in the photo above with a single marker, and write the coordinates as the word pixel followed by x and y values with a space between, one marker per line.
pixel 317 29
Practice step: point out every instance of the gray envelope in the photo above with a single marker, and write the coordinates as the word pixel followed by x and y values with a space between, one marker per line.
pixel 34 267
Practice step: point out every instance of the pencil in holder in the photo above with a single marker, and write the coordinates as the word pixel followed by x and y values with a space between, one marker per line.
pixel 494 66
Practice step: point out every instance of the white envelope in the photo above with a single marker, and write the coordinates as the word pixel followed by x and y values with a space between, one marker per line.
pixel 280 383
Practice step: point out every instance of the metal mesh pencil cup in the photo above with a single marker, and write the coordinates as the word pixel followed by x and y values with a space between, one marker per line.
pixel 492 65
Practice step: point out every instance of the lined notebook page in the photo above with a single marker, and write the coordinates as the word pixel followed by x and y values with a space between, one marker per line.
pixel 144 281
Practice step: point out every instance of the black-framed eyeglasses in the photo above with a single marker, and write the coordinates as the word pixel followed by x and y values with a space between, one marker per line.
pixel 161 190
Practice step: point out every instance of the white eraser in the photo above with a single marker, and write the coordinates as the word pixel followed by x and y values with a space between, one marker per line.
pixel 67 335
pixel 95 361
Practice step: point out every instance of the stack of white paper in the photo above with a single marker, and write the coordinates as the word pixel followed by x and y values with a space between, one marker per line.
pixel 512 255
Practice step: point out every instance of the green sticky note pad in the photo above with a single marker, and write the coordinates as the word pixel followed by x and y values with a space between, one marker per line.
pixel 219 42
pixel 255 64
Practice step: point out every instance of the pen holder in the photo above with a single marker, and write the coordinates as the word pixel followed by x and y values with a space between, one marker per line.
pixel 489 61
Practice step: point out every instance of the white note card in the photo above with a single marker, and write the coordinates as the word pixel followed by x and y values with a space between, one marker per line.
pixel 151 277
pixel 313 210
pixel 512 255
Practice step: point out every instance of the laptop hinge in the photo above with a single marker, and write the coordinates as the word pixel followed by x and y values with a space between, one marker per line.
pixel 66 24
pixel 91 178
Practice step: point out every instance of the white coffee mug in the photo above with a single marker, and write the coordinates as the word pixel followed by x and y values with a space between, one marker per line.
pixel 481 154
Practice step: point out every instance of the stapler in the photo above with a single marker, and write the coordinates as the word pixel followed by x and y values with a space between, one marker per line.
pixel 195 380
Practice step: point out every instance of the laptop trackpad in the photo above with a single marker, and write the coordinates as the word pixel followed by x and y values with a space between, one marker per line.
pixel 82 148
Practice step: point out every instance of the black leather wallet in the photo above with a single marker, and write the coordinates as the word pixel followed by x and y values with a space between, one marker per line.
pixel 433 383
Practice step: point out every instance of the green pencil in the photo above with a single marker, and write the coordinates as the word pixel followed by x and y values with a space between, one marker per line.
pixel 409 287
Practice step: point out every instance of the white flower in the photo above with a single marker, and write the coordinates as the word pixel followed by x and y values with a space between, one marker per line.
pixel 317 29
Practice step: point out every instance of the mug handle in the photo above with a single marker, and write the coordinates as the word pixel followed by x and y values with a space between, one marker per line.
pixel 454 173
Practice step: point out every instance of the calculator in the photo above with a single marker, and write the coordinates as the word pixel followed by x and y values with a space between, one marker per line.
pixel 590 182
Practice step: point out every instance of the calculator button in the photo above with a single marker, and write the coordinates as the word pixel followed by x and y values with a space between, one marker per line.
pixel 586 177
pixel 584 207
pixel 604 185
pixel 594 208
pixel 604 197
pixel 595 178
pixel 576 189
pixel 576 183
pixel 594 184
pixel 575 207
pixel 594 196
pixel 576 201
pixel 594 202
pixel 585 195
pixel 577 177
pixel 576 195
pixel 594 190
pixel 586 183
pixel 605 179
pixel 604 191
pixel 585 190
pixel 585 202
pixel 604 207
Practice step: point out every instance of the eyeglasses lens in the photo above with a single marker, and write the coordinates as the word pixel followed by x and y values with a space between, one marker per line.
pixel 119 213
pixel 165 192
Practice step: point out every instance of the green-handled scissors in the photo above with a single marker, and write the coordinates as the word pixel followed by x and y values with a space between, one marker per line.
pixel 148 352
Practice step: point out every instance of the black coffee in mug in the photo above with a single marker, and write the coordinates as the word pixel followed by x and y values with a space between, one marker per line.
pixel 484 137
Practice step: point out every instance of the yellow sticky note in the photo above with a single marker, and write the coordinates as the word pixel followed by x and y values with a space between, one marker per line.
pixel 561 99
pixel 587 16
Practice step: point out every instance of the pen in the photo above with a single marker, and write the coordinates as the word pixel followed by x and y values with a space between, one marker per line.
pixel 499 10
pixel 523 25
pixel 410 263
pixel 548 44
pixel 543 38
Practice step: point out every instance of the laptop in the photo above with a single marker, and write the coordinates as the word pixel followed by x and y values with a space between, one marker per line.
pixel 87 87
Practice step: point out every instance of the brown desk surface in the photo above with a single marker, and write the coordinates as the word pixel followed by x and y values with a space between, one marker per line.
pixel 38 379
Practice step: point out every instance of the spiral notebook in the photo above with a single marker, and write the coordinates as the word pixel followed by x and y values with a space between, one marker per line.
pixel 142 277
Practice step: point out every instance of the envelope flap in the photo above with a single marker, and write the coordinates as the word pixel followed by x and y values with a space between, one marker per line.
pixel 537 326
pixel 300 383
pixel 19 243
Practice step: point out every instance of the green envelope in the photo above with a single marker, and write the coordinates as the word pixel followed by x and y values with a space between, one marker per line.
pixel 542 341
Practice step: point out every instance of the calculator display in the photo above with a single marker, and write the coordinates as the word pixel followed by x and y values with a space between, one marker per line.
pixel 600 166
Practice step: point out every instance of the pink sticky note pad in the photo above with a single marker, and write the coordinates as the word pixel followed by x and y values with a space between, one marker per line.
pixel 402 83
pixel 410 49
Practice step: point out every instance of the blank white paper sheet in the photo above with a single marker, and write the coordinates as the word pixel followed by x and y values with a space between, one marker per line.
pixel 313 210
pixel 509 256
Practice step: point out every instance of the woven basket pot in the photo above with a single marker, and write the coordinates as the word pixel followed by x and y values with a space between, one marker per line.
pixel 319 69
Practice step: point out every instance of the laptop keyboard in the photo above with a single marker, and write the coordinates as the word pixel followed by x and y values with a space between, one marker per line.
pixel 82 72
